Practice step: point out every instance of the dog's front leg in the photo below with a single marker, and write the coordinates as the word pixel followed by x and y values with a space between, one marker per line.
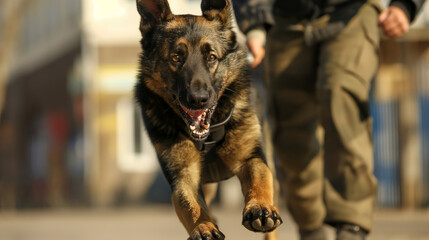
pixel 192 212
pixel 259 214
pixel 182 167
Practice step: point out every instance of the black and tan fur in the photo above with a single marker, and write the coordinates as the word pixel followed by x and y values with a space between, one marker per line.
pixel 193 73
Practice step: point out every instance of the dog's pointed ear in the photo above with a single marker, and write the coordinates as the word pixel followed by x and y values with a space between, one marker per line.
pixel 153 12
pixel 217 9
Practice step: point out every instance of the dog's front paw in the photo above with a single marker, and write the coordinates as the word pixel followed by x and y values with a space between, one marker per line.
pixel 206 231
pixel 261 218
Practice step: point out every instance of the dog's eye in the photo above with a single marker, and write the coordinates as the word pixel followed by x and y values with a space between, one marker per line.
pixel 175 58
pixel 212 58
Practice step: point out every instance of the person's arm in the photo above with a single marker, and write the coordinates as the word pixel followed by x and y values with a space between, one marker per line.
pixel 395 20
pixel 254 18
pixel 256 44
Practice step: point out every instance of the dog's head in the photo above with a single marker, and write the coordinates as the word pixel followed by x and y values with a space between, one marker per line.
pixel 186 59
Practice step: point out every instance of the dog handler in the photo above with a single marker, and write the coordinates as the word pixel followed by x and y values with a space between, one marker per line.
pixel 321 58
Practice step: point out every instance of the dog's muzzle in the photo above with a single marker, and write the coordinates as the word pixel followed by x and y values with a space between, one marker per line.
pixel 198 121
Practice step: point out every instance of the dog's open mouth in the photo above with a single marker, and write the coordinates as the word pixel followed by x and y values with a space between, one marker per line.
pixel 198 121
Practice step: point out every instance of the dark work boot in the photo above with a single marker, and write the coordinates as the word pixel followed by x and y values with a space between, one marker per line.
pixel 316 234
pixel 347 231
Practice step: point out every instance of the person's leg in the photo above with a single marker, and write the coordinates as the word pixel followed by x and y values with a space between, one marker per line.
pixel 347 65
pixel 291 81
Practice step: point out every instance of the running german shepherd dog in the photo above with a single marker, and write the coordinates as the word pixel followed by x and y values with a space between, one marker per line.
pixel 193 89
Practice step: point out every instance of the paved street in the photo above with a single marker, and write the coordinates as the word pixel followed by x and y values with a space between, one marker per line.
pixel 159 222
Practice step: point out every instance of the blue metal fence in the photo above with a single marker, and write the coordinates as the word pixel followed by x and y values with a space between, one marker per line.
pixel 386 152
pixel 424 126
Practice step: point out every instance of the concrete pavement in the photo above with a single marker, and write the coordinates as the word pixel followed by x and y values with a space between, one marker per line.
pixel 159 222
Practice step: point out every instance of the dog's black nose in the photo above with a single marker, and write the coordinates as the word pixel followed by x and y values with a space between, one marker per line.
pixel 198 99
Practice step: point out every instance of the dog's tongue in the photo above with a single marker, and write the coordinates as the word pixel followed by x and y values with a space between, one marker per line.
pixel 195 114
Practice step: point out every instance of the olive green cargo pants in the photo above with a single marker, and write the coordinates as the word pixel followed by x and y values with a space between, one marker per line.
pixel 329 178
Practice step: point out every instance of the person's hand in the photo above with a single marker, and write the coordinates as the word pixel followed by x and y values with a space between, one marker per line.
pixel 393 22
pixel 256 47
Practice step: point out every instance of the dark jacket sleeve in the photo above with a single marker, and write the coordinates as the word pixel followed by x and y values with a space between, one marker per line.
pixel 251 14
pixel 410 7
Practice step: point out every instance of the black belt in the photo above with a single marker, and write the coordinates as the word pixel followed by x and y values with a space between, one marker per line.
pixel 340 15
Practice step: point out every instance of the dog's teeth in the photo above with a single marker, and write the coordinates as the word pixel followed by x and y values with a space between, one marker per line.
pixel 192 127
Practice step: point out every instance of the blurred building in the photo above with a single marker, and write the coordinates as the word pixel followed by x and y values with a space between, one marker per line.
pixel 41 94
pixel 399 108
pixel 70 132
